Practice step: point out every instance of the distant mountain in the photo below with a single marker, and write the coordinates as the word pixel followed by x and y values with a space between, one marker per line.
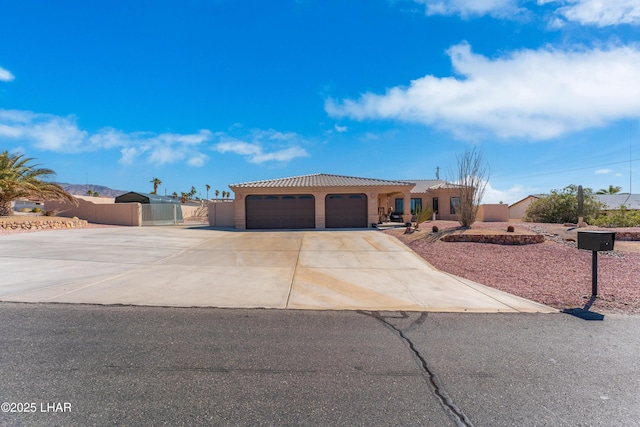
pixel 81 190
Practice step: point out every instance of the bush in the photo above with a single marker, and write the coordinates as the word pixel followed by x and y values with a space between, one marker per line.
pixel 36 210
pixel 434 229
pixel 620 218
pixel 510 229
pixel 423 215
pixel 561 206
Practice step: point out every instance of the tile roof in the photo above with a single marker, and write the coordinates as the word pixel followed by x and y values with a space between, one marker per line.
pixel 424 185
pixel 614 201
pixel 320 180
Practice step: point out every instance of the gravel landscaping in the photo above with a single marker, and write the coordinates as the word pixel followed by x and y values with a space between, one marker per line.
pixel 554 273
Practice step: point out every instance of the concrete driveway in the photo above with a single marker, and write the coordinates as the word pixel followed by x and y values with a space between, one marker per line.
pixel 176 266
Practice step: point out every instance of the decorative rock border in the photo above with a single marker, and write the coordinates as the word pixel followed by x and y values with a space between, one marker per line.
pixel 496 239
pixel 628 235
pixel 43 224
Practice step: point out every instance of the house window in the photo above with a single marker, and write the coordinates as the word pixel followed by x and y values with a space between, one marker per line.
pixel 415 203
pixel 435 205
pixel 399 206
pixel 455 204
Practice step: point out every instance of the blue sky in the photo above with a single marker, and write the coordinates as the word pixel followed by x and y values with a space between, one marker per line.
pixel 224 91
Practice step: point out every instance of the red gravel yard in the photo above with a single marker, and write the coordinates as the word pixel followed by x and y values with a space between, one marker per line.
pixel 554 273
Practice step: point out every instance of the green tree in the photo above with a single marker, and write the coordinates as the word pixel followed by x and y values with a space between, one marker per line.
pixel 561 206
pixel 217 193
pixel 610 190
pixel 89 193
pixel 156 183
pixel 208 187
pixel 19 179
pixel 95 194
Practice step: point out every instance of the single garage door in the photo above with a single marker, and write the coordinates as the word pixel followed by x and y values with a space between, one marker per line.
pixel 281 211
pixel 346 211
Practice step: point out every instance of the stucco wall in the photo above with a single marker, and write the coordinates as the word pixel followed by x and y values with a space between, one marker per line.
pixel 373 193
pixel 221 214
pixel 493 213
pixel 99 213
pixel 517 210
pixel 444 202
pixel 189 211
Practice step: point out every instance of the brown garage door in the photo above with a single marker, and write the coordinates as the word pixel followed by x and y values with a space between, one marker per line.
pixel 281 211
pixel 346 211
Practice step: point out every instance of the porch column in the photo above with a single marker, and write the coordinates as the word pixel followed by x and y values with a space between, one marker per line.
pixel 406 217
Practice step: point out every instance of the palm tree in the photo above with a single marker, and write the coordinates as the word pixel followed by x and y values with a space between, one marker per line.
pixel 217 193
pixel 20 179
pixel 610 190
pixel 156 183
pixel 208 187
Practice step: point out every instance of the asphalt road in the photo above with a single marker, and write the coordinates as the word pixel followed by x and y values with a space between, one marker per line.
pixel 121 365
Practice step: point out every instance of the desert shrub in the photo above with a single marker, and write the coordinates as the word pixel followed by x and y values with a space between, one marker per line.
pixel 423 215
pixel 510 229
pixel 36 210
pixel 620 218
pixel 24 210
pixel 561 206
pixel 434 229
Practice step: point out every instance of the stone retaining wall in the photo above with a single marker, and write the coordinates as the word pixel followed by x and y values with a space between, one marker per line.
pixel 496 239
pixel 43 224
pixel 628 235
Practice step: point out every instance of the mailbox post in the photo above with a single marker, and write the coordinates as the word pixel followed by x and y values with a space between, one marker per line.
pixel 595 241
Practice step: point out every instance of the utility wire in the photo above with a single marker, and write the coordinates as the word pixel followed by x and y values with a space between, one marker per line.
pixel 576 169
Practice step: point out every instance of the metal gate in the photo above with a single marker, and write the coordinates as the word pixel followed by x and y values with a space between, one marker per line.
pixel 161 214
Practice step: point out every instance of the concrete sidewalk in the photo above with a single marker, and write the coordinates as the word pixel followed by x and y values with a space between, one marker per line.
pixel 176 266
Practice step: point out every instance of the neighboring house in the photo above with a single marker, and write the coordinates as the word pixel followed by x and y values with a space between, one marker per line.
pixel 23 205
pixel 335 201
pixel 612 202
pixel 519 208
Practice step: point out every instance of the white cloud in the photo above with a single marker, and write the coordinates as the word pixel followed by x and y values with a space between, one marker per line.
pixel 509 196
pixel 599 13
pixel 5 75
pixel 45 131
pixel 255 152
pixel 341 129
pixel 467 8
pixel 603 171
pixel 537 94
pixel 62 134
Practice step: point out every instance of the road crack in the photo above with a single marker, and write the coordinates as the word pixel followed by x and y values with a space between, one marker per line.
pixel 448 405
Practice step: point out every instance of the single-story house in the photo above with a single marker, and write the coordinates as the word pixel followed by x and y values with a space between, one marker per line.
pixel 519 208
pixel 335 201
pixel 612 202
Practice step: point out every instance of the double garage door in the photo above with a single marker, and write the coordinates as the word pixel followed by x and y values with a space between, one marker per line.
pixel 298 211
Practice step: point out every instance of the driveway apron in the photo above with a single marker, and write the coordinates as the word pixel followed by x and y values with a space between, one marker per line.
pixel 203 267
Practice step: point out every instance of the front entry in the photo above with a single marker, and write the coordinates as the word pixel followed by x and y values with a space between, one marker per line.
pixel 346 211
